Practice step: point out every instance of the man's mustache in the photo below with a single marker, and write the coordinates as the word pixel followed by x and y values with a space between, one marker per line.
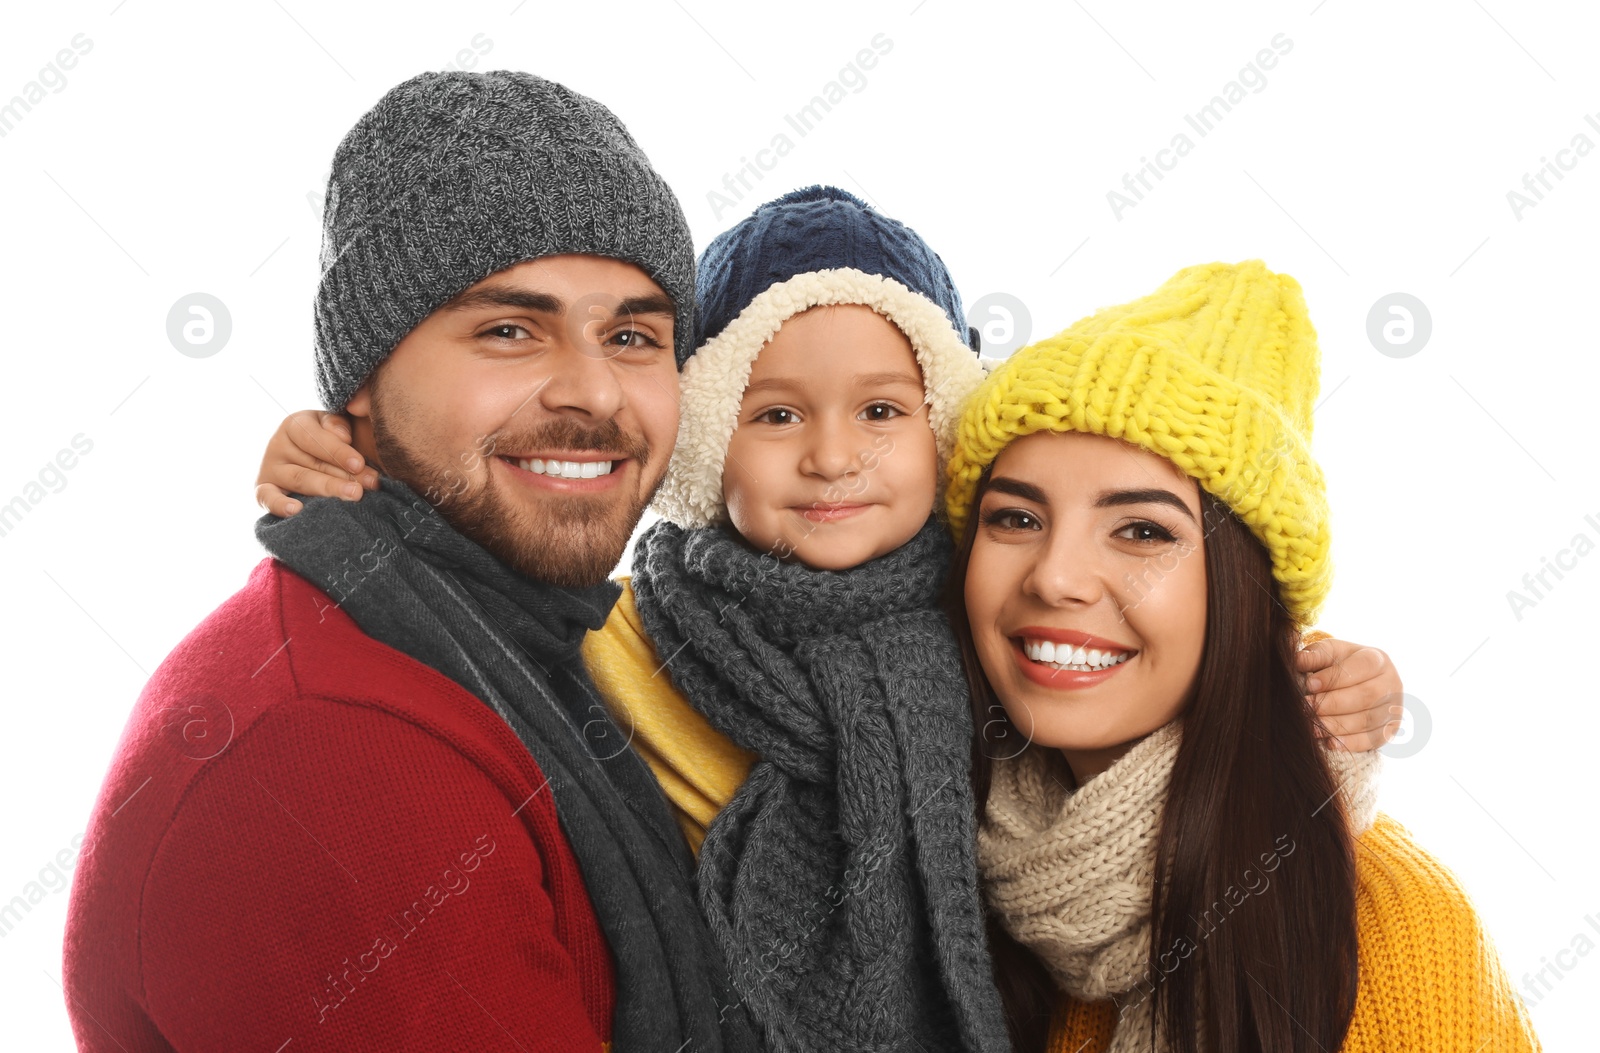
pixel 607 439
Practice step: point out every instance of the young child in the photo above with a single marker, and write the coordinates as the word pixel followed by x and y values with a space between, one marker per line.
pixel 782 657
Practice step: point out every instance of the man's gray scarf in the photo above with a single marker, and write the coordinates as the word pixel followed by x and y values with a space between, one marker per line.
pixel 409 580
pixel 841 880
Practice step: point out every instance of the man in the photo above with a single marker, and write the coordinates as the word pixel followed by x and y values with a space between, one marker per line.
pixel 373 801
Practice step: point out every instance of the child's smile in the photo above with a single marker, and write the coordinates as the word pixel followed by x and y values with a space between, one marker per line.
pixel 821 512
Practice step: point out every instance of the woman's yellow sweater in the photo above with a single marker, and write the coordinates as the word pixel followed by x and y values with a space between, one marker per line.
pixel 1430 979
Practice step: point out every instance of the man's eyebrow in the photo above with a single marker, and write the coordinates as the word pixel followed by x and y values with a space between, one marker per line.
pixel 546 303
pixel 1149 495
pixel 651 304
pixel 506 296
pixel 1017 488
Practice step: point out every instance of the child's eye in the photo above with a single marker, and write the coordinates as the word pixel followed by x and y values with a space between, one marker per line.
pixel 1146 532
pixel 776 415
pixel 881 411
pixel 1011 519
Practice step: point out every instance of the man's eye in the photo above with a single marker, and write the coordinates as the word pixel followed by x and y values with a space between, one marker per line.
pixel 880 411
pixel 634 338
pixel 507 332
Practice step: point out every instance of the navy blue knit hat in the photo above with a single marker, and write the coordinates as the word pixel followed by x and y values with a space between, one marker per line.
pixel 814 229
pixel 810 248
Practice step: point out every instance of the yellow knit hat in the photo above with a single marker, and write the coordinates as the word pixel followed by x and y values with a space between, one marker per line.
pixel 1217 372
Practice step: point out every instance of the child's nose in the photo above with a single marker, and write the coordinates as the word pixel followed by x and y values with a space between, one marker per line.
pixel 830 453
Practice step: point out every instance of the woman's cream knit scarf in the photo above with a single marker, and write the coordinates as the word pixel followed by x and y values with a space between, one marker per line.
pixel 1070 873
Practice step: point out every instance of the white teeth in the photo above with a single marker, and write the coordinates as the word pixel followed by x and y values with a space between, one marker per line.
pixel 1065 656
pixel 566 469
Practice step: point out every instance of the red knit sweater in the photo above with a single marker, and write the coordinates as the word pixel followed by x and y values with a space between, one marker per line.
pixel 310 841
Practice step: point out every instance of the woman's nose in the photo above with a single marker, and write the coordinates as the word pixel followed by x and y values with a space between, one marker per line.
pixel 1069 573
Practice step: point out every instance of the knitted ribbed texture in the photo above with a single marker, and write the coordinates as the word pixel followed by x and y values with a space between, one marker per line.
pixel 1430 978
pixel 1070 873
pixel 814 229
pixel 1217 371
pixel 841 880
pixel 454 176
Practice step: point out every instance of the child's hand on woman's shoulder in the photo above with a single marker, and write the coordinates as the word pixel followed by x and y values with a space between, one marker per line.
pixel 311 454
pixel 1355 691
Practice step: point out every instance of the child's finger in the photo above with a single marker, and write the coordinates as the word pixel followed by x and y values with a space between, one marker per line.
pixel 1357 665
pixel 292 468
pixel 319 481
pixel 1361 717
pixel 1358 741
pixel 1372 720
pixel 276 501
pixel 326 443
pixel 1355 696
pixel 1313 656
pixel 338 424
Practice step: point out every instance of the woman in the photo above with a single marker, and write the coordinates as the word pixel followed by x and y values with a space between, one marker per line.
pixel 1168 860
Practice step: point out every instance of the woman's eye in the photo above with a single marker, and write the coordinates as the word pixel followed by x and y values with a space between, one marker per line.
pixel 881 411
pixel 776 416
pixel 1011 519
pixel 1148 533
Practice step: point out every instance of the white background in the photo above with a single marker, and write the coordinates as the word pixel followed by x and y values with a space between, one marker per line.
pixel 185 150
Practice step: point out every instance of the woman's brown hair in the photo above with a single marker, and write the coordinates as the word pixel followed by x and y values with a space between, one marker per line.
pixel 1273 970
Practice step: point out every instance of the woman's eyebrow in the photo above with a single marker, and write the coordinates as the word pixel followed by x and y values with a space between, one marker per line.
pixel 1152 495
pixel 1018 488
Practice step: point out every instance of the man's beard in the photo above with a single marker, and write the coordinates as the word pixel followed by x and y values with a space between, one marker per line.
pixel 569 540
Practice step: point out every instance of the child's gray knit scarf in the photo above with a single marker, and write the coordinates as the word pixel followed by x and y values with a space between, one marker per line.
pixel 411 581
pixel 841 880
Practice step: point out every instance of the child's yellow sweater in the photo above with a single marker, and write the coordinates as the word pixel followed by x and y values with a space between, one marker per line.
pixel 1430 978
pixel 697 766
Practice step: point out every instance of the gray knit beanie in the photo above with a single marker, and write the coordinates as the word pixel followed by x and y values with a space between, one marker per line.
pixel 454 176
